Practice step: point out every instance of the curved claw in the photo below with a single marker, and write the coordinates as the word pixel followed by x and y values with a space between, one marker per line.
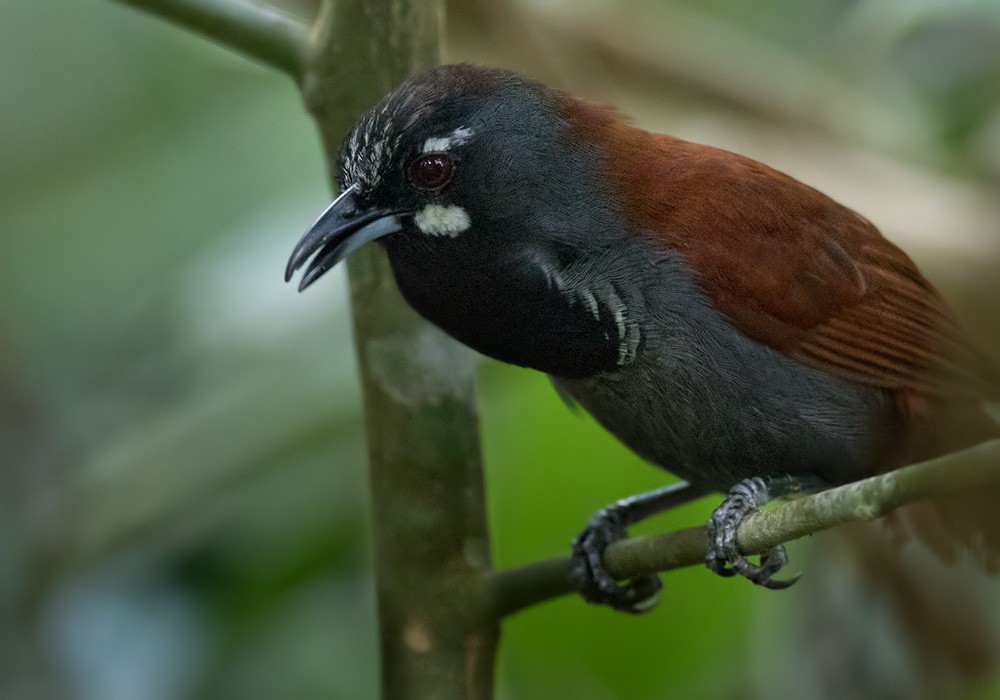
pixel 588 575
pixel 723 556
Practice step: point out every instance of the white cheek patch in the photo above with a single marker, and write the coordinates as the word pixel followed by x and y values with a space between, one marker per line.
pixel 444 143
pixel 442 220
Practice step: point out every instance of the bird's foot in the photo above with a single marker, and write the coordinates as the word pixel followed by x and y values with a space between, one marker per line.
pixel 723 556
pixel 588 575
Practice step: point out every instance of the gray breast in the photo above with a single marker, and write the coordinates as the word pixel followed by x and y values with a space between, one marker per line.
pixel 714 407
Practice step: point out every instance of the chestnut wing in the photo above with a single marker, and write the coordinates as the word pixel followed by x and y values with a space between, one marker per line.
pixel 795 270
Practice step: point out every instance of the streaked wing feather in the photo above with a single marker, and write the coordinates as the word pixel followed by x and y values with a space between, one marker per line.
pixel 789 266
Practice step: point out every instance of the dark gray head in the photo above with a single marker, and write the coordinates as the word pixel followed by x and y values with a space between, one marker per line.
pixel 484 197
pixel 455 152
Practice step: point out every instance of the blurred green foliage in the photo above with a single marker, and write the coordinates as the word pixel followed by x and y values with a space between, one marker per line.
pixel 182 488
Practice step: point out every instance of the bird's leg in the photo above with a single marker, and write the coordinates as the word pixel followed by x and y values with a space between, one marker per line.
pixel 587 573
pixel 723 556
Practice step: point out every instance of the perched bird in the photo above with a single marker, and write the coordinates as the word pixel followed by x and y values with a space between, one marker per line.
pixel 723 320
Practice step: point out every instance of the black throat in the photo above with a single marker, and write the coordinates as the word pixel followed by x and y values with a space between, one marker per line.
pixel 511 310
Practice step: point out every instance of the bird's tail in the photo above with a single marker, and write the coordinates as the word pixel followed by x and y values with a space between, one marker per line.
pixel 967 522
pixel 878 617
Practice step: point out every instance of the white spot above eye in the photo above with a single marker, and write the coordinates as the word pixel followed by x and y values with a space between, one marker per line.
pixel 442 220
pixel 444 143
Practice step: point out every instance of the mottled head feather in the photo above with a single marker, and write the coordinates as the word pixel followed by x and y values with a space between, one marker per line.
pixel 377 137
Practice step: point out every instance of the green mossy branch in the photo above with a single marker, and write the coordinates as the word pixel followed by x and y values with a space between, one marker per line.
pixel 258 31
pixel 978 467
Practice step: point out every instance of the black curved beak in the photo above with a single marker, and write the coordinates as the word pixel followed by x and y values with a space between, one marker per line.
pixel 338 232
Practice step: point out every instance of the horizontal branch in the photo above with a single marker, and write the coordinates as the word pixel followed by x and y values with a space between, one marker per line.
pixel 255 30
pixel 509 591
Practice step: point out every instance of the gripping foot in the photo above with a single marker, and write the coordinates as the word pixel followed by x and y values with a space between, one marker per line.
pixel 724 557
pixel 588 576
pixel 587 573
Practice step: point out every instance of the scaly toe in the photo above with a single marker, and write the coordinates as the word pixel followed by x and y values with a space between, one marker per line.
pixel 723 556
pixel 589 577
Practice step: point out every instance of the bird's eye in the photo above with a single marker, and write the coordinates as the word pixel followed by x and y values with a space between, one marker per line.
pixel 431 171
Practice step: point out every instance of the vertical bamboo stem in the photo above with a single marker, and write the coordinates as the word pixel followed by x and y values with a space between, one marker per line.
pixel 431 546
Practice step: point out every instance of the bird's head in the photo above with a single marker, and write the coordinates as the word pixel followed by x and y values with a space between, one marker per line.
pixel 459 161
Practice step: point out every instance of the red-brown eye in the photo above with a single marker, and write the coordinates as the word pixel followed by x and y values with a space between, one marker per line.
pixel 431 171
